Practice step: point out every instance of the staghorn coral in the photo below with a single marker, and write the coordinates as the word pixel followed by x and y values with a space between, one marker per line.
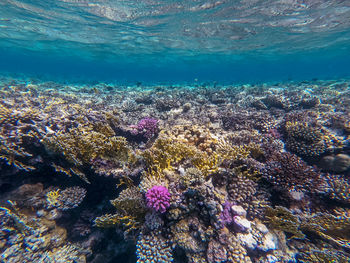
pixel 94 144
pixel 66 199
pixel 288 171
pixel 158 198
pixel 148 181
pixel 85 143
pixel 166 152
pixel 153 248
pixel 334 229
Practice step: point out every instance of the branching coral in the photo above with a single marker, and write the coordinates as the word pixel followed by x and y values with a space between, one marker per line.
pixel 335 229
pixel 92 144
pixel 17 134
pixel 323 256
pixel 28 238
pixel 248 120
pixel 337 187
pixel 82 144
pixel 148 127
pixel 305 139
pixel 167 152
pixel 288 171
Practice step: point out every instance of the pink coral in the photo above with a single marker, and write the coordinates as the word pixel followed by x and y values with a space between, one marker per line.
pixel 148 127
pixel 158 198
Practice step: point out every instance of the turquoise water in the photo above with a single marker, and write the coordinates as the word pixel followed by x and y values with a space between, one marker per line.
pixel 173 41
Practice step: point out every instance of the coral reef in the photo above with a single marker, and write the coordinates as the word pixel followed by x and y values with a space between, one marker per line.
pixel 148 127
pixel 218 174
pixel 66 199
pixel 28 238
pixel 288 171
pixel 304 139
pixel 153 248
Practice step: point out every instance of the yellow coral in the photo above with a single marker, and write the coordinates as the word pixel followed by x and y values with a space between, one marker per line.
pixel 127 222
pixel 333 228
pixel 52 197
pixel 281 218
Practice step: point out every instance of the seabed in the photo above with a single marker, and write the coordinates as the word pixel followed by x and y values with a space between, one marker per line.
pixel 174 173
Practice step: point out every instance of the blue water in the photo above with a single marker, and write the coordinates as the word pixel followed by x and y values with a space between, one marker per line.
pixel 175 41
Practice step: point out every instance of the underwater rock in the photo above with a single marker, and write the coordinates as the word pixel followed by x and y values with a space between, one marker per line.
pixel 338 163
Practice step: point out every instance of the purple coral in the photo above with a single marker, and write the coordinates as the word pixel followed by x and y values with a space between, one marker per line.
pixel 226 214
pixel 158 198
pixel 147 126
pixel 234 215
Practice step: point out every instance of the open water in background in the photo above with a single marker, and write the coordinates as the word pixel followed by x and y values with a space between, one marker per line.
pixel 175 41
